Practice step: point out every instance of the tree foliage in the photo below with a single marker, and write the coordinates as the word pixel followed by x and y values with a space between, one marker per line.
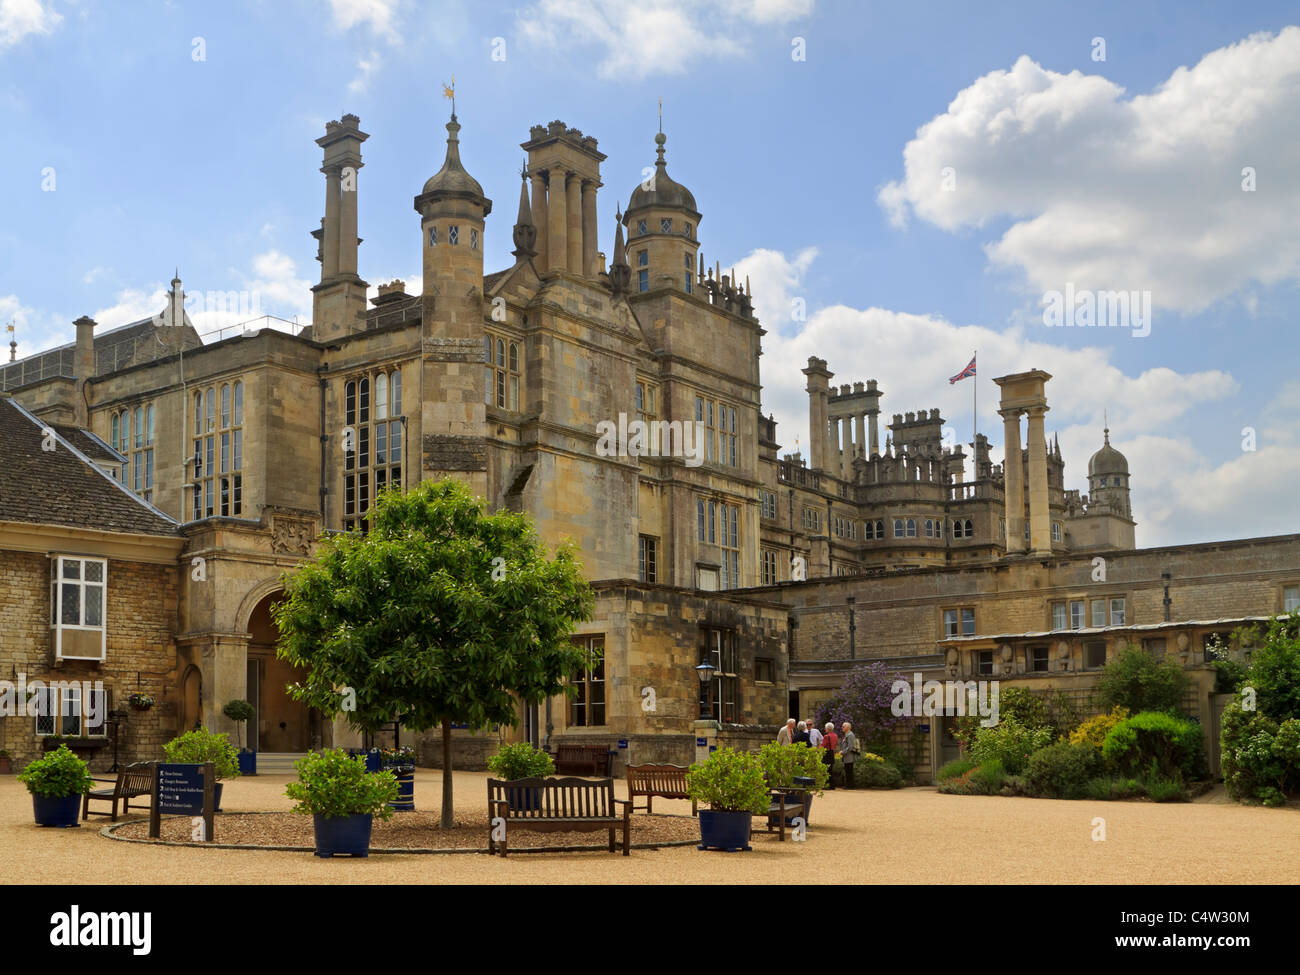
pixel 441 614
pixel 1137 681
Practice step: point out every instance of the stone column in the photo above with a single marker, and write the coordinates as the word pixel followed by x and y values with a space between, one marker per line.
pixel 330 243
pixel 873 426
pixel 1040 517
pixel 589 235
pixel 539 219
pixel 557 215
pixel 1013 481
pixel 860 433
pixel 347 260
pixel 573 195
pixel 846 448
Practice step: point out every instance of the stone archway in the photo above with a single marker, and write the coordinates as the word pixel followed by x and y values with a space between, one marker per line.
pixel 280 723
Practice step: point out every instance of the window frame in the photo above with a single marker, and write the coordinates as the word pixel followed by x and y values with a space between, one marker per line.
pixel 582 706
pixel 58 582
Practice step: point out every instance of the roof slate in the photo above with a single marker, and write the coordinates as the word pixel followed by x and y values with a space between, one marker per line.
pixel 58 487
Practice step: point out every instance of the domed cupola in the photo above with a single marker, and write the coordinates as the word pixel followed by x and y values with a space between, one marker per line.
pixel 662 224
pixel 451 181
pixel 660 189
pixel 1108 460
pixel 1108 480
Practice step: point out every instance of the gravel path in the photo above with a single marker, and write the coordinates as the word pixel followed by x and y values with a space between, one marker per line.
pixel 906 836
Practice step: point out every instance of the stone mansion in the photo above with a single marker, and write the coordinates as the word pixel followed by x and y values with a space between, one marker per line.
pixel 198 473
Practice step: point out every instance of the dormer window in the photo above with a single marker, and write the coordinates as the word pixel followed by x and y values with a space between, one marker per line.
pixel 666 225
pixel 453 235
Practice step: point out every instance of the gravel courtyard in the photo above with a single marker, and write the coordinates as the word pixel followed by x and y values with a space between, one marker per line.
pixel 909 836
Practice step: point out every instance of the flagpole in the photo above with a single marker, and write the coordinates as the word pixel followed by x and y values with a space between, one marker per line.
pixel 974 405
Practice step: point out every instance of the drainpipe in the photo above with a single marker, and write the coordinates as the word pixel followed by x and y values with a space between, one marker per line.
pixel 852 627
pixel 323 441
pixel 1168 602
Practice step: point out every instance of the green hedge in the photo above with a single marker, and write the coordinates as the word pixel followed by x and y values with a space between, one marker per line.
pixel 1062 771
pixel 1154 742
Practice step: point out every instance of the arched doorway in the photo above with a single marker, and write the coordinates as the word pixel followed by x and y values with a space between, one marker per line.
pixel 191 699
pixel 281 724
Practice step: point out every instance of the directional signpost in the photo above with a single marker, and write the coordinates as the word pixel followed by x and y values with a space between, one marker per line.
pixel 184 790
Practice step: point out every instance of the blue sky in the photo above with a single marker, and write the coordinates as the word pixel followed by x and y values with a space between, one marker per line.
pixel 820 178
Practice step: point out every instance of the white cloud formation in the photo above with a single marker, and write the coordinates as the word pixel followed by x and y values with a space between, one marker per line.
pixel 1179 493
pixel 19 18
pixel 1110 192
pixel 366 67
pixel 378 15
pixel 640 38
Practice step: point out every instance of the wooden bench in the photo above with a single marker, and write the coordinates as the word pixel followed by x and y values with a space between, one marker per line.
pixel 665 781
pixel 784 808
pixel 556 805
pixel 582 760
pixel 132 782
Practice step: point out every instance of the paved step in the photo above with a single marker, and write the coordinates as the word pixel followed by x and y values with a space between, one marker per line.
pixel 278 763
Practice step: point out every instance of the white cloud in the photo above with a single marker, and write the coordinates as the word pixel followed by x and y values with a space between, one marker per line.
pixel 366 67
pixel 1179 493
pixel 95 273
pixel 640 38
pixel 1109 192
pixel 19 18
pixel 378 15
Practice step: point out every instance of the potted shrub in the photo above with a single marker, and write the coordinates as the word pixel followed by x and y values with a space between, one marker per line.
pixel 199 746
pixel 343 799
pixel 57 782
pixel 400 760
pixel 140 701
pixel 240 711
pixel 798 766
pixel 521 761
pixel 732 785
pixel 6 762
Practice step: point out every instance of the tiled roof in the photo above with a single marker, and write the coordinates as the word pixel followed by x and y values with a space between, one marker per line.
pixel 61 486
pixel 88 444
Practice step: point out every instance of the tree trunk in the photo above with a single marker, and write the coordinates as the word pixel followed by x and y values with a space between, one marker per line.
pixel 447 819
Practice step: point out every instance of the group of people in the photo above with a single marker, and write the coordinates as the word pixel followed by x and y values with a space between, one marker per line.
pixel 844 744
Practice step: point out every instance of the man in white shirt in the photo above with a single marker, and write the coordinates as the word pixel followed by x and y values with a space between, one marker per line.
pixel 814 736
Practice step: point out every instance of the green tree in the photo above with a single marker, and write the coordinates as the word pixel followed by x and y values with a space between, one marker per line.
pixel 441 614
pixel 1137 681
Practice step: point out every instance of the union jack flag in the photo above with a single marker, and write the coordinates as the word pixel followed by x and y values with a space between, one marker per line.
pixel 968 371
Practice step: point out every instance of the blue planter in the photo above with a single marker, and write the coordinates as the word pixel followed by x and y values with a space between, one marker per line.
pixel 523 800
pixel 725 830
pixel 62 812
pixel 405 801
pixel 374 761
pixel 248 763
pixel 342 835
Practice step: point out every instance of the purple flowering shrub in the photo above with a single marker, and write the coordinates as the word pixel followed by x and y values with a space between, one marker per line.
pixel 864 701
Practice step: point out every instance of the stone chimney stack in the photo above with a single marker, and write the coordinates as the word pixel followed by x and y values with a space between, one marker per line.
pixel 564 166
pixel 1024 392
pixel 339 301
pixel 818 389
pixel 83 367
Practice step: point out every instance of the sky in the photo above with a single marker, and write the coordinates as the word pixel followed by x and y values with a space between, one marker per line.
pixel 903 185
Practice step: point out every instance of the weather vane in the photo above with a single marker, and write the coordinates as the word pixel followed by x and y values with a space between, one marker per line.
pixel 449 91
pixel 661 113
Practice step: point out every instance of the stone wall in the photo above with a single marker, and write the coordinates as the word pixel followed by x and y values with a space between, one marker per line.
pixel 140 612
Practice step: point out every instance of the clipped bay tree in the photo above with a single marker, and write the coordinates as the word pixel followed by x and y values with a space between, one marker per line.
pixel 441 614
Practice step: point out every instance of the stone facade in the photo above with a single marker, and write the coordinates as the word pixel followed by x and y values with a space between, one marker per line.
pixel 258 443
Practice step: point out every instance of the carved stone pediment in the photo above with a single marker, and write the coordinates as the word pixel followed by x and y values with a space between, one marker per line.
pixel 292 536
